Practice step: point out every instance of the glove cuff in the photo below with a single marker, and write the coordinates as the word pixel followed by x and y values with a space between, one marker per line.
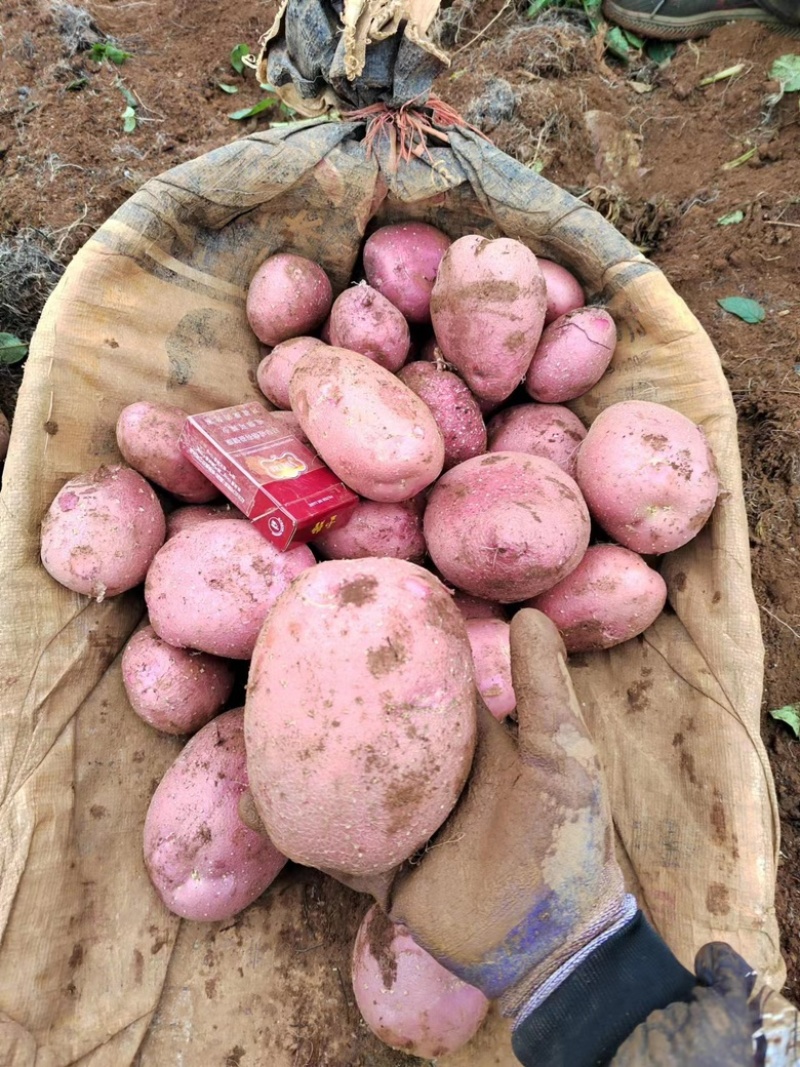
pixel 592 1004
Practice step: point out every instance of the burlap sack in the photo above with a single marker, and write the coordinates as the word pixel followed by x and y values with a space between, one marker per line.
pixel 93 970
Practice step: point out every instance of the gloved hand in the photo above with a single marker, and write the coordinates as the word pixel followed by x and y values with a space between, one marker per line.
pixel 522 877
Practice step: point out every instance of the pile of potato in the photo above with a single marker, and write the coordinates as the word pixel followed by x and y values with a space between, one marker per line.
pixel 434 387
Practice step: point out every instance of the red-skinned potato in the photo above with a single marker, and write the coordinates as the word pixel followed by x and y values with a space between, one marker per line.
pixel 406 998
pixel 506 526
pixel 547 430
pixel 275 370
pixel 487 309
pixel 204 861
pixel 212 586
pixel 102 532
pixel 490 640
pixel 610 597
pixel 360 717
pixel 474 607
pixel 401 262
pixel 455 409
pixel 174 690
pixel 376 529
pixel 147 436
pixel 648 476
pixel 289 296
pixel 364 321
pixel 193 514
pixel 572 356
pixel 369 428
pixel 564 292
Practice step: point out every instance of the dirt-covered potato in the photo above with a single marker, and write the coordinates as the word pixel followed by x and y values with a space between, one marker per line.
pixel 572 356
pixel 365 321
pixel 564 291
pixel 648 476
pixel 487 308
pixel 548 430
pixel 147 436
pixel 401 262
pixel 455 409
pixel 506 526
pixel 610 597
pixel 211 586
pixel 204 861
pixel 360 715
pixel 376 529
pixel 174 690
pixel 102 532
pixel 276 368
pixel 289 296
pixel 193 514
pixel 406 997
pixel 369 428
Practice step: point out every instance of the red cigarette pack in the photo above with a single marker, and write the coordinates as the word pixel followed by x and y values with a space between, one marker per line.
pixel 276 479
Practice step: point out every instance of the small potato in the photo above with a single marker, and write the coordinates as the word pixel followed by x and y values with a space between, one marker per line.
pixel 361 714
pixel 547 430
pixel 401 262
pixel 374 529
pixel 277 367
pixel 102 532
pixel 648 476
pixel 610 597
pixel 366 322
pixel 407 998
pixel 212 586
pixel 564 292
pixel 369 428
pixel 204 861
pixel 289 296
pixel 572 356
pixel 455 409
pixel 506 526
pixel 193 514
pixel 147 436
pixel 172 689
pixel 490 640
pixel 487 309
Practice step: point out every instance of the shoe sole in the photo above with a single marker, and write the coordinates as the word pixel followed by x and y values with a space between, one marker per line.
pixel 682 29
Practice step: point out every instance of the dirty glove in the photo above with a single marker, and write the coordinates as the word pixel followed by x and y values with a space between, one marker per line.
pixel 520 894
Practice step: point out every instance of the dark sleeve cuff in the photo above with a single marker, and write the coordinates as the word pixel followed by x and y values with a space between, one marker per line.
pixel 583 1022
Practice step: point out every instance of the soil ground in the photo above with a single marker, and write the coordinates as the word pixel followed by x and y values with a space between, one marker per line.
pixel 648 146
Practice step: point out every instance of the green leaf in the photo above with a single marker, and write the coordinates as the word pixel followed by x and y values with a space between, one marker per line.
pixel 129 119
pixel 130 99
pixel 537 7
pixel 786 70
pixel 747 310
pixel 74 86
pixel 790 716
pixel 101 50
pixel 731 218
pixel 237 55
pixel 12 350
pixel 256 109
pixel 227 88
pixel 633 40
pixel 660 52
pixel 617 44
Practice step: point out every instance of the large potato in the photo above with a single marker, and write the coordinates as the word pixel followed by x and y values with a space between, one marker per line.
pixel 406 997
pixel 455 409
pixel 147 436
pixel 376 529
pixel 506 526
pixel 572 355
pixel 487 307
pixel 370 429
pixel 610 597
pixel 548 430
pixel 360 718
pixel 362 320
pixel 205 862
pixel 102 532
pixel 211 586
pixel 648 476
pixel 289 296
